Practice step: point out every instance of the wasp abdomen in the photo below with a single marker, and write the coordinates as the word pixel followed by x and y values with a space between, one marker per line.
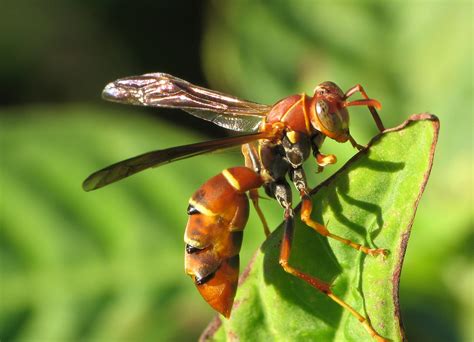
pixel 218 212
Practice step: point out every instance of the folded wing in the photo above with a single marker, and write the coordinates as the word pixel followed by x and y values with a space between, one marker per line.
pixel 128 167
pixel 163 90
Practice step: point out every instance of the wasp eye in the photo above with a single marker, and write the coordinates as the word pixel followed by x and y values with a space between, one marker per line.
pixel 330 120
pixel 322 107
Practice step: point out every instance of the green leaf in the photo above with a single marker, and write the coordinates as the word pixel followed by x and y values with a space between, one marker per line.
pixel 371 200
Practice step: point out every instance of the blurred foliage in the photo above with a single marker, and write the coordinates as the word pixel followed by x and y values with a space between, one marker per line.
pixel 102 265
pixel 108 265
pixel 373 198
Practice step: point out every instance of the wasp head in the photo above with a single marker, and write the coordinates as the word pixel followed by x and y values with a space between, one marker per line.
pixel 328 113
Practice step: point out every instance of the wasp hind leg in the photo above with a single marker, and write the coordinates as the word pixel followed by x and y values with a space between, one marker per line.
pixel 299 179
pixel 315 282
pixel 282 194
pixel 252 161
pixel 254 196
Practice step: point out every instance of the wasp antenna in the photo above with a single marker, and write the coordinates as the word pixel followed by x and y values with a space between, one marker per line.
pixel 363 102
pixel 372 105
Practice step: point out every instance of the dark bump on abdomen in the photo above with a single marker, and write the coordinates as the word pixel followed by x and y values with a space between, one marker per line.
pixel 192 210
pixel 237 239
pixel 203 280
pixel 191 249
pixel 234 262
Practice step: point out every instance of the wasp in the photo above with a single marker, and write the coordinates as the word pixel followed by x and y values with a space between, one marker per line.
pixel 278 139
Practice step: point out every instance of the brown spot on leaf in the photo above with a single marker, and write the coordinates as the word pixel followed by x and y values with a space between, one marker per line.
pixel 247 269
pixel 211 329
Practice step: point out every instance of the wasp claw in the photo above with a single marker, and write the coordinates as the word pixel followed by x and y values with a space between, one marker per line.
pixel 378 251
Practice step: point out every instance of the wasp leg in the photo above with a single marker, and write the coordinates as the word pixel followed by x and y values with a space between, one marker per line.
pixel 253 194
pixel 252 161
pixel 355 143
pixel 373 111
pixel 283 195
pixel 324 160
pixel 313 281
pixel 299 179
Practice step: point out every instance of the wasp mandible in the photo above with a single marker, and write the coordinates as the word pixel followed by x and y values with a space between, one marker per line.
pixel 278 139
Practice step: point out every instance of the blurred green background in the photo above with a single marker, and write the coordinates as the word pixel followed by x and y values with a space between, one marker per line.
pixel 108 265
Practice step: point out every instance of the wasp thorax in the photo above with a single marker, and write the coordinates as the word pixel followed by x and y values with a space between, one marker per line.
pixel 328 115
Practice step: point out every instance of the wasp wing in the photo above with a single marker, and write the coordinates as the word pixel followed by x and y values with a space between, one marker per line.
pixel 163 90
pixel 125 168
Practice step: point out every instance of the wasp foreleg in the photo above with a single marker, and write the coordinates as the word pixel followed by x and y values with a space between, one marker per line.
pixel 355 143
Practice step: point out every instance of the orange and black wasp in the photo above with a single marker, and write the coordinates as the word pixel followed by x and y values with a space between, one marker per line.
pixel 278 139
